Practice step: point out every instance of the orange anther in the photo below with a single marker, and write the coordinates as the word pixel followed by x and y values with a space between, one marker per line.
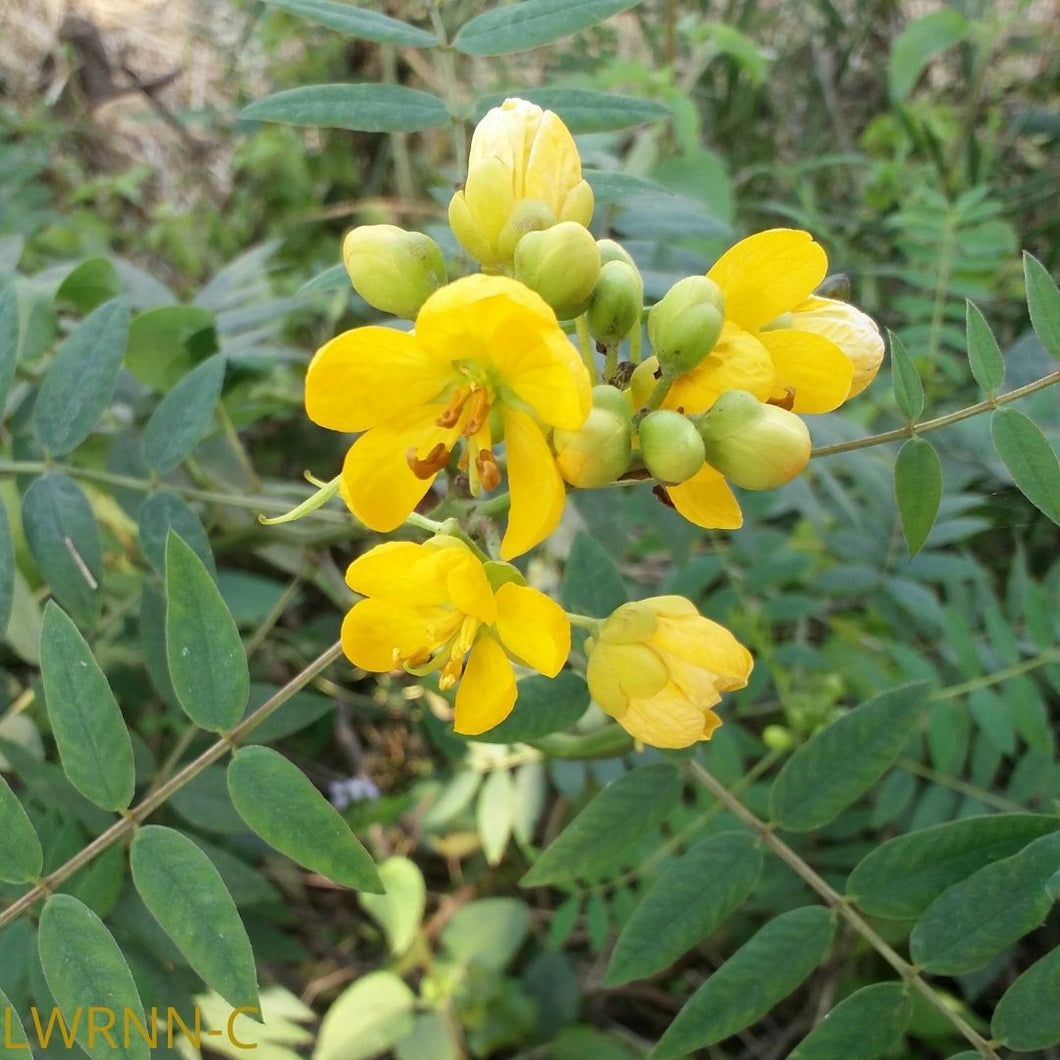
pixel 451 415
pixel 477 413
pixel 488 472
pixel 429 465
pixel 787 402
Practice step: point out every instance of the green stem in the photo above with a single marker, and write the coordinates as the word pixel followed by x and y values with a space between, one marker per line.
pixel 662 388
pixel 586 622
pixel 1044 659
pixel 941 421
pixel 587 346
pixel 841 906
pixel 610 363
pixel 961 786
pixel 636 344
pixel 150 803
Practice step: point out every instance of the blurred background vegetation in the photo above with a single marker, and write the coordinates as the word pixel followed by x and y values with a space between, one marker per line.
pixel 917 141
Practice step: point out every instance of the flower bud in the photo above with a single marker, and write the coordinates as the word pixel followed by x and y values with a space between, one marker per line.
pixel 685 325
pixel 853 331
pixel 643 382
pixel 528 216
pixel 612 251
pixel 756 446
pixel 670 446
pixel 616 304
pixel 597 452
pixel 393 270
pixel 778 738
pixel 561 264
pixel 611 398
pixel 657 666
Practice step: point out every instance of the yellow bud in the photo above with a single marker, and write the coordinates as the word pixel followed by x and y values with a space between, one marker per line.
pixel 616 304
pixel 643 382
pixel 561 264
pixel 685 325
pixel 670 446
pixel 596 453
pixel 756 446
pixel 853 331
pixel 393 270
pixel 530 215
pixel 658 667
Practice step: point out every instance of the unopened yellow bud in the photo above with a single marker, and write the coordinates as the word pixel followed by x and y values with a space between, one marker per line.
pixel 616 304
pixel 611 398
pixel 670 446
pixel 756 446
pixel 597 453
pixel 393 270
pixel 658 667
pixel 527 216
pixel 853 331
pixel 685 325
pixel 562 264
pixel 612 251
pixel 643 381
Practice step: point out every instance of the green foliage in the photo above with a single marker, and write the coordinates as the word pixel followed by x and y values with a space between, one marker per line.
pixel 918 490
pixel 367 108
pixel 869 1023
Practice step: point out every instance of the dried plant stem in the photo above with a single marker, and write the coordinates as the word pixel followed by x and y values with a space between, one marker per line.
pixel 842 908
pixel 131 819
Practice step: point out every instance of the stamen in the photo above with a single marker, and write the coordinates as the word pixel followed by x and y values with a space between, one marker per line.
pixel 478 413
pixel 451 415
pixel 420 657
pixel 488 472
pixel 787 402
pixel 451 673
pixel 429 465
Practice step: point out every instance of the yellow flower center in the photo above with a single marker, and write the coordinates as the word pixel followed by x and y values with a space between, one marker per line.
pixel 450 639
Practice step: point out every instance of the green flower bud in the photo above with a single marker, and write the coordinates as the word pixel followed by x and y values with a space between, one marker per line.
pixel 561 264
pixel 777 738
pixel 685 325
pixel 529 215
pixel 756 446
pixel 670 446
pixel 597 452
pixel 612 251
pixel 611 398
pixel 393 270
pixel 617 301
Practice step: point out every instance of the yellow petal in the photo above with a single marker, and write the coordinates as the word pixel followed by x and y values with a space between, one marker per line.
pixel 541 366
pixel 533 628
pixel 467 585
pixel 553 167
pixel 535 483
pixel 489 195
pixel 578 206
pixel 768 274
pixel 738 362
pixel 701 643
pixel 487 690
pixel 368 375
pixel 815 368
pixel 667 719
pixel 853 331
pixel 385 569
pixel 706 500
pixel 374 630
pixel 468 231
pixel 379 486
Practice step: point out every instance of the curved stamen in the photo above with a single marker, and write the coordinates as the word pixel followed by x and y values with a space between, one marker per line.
pixel 429 465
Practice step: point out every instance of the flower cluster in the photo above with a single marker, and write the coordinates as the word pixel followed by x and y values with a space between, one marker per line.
pixel 487 392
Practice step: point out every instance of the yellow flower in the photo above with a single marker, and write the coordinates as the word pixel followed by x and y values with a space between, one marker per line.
pixel 658 666
pixel 434 607
pixel 523 173
pixel 853 331
pixel 481 344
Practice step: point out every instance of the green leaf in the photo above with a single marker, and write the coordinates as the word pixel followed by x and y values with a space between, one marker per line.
pixel 626 809
pixel 90 284
pixel 611 187
pixel 984 354
pixel 281 805
pixel 429 1039
pixel 487 932
pixel 335 278
pixel 918 490
pixel 81 379
pixel 94 744
pixel 7 571
pixel 85 970
pixel 908 390
pixel 8 341
pixel 366 1019
pixel 1023 1020
pixel 63 539
pixel 165 342
pixel 14 1045
pixel 356 22
pixel 21 859
pixel 166 511
pixel 494 814
pixel 183 416
pixel 521 26
pixel 707 884
pixel 1030 459
pixel 918 44
pixel 591 582
pixel 1043 301
pixel 545 705
pixel 187 896
pixel 365 108
pixel 867 1024
pixel 838 764
pixel 399 908
pixel 973 921
pixel 762 972
pixel 205 653
pixel 586 111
